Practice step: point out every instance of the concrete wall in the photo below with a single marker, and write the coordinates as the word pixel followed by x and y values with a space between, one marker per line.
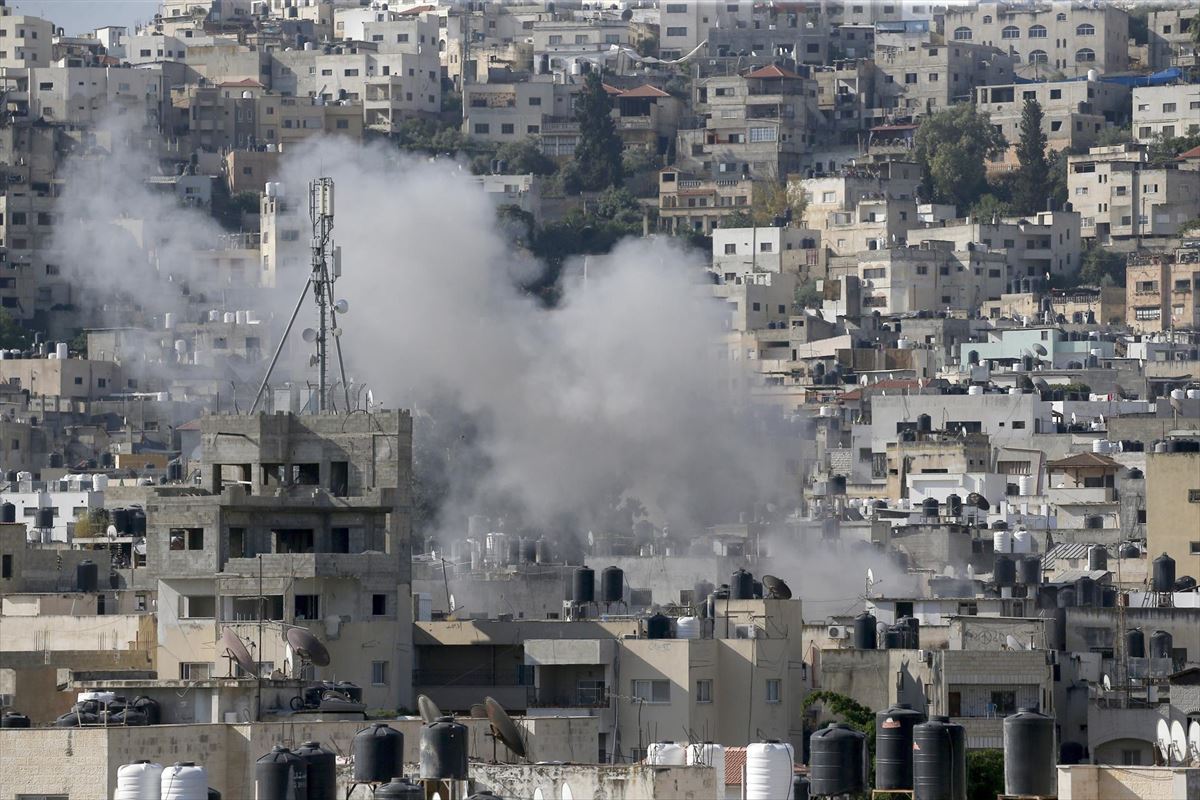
pixel 624 782
pixel 1085 782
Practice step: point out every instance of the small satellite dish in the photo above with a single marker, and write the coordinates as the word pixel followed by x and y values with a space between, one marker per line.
pixel 970 572
pixel 1179 741
pixel 1040 349
pixel 567 794
pixel 1162 738
pixel 341 306
pixel 430 713
pixel 233 647
pixel 453 605
pixel 504 728
pixel 1194 739
pixel 870 575
pixel 307 646
pixel 309 335
pixel 478 711
pixel 112 531
pixel 1107 683
pixel 776 588
pixel 1012 642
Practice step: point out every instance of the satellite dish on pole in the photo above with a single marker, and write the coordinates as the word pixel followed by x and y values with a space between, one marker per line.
pixel 307 646
pixel 428 709
pixel 1194 740
pixel 234 648
pixel 1107 684
pixel 776 588
pixel 504 728
pixel 1162 740
pixel 1179 742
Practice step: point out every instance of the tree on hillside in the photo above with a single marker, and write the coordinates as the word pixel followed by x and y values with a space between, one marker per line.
pixel 598 154
pixel 12 334
pixel 1030 189
pixel 952 148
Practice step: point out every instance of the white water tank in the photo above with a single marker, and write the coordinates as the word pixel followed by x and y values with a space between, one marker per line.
pixel 184 781
pixel 974 390
pixel 904 343
pixel 1093 75
pixel 709 755
pixel 62 351
pixel 1100 446
pixel 1178 394
pixel 666 754
pixel 100 697
pixel 1025 485
pixel 229 317
pixel 139 781
pixel 1022 541
pixel 272 189
pixel 769 768
pixel 1002 542
pixel 214 315
pixel 1014 390
pixel 1193 394
pixel 99 482
pixel 687 628
pixel 168 321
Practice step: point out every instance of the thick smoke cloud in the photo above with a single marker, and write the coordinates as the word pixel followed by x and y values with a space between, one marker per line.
pixel 620 389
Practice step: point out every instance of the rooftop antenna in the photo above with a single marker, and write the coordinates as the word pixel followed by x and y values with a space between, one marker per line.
pixel 326 269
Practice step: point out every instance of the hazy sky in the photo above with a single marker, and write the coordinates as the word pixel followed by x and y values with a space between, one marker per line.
pixel 78 16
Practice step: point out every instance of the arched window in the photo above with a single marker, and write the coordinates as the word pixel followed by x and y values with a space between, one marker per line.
pixel 962 34
pixel 987 20
pixel 1085 30
pixel 1039 57
pixel 1037 32
pixel 1085 54
pixel 1010 32
pixel 1061 18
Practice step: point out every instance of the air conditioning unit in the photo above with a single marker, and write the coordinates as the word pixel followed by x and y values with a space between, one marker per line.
pixel 839 632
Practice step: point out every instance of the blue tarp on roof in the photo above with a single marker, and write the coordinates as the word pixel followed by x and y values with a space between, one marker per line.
pixel 1162 78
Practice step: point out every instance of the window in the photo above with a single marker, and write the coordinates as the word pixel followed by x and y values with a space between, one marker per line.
pixel 676 8
pixel 197 606
pixel 773 690
pixel 762 134
pixel 703 689
pixel 187 538
pixel 535 101
pixel 351 73
pixel 506 128
pixel 1168 108
pixel 379 673
pixel 1004 702
pixel 1085 29
pixel 1038 57
pixel 731 249
pixel 962 34
pixel 481 128
pixel 195 671
pixel 6 566
pixel 1037 32
pixel 910 77
pixel 378 605
pixel 651 691
pixel 676 31
pixel 1010 32
pixel 1085 55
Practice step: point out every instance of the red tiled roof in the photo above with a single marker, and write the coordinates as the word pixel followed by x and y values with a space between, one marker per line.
pixel 611 89
pixel 417 10
pixel 735 760
pixel 772 71
pixel 645 90
pixel 1083 460
pixel 1193 153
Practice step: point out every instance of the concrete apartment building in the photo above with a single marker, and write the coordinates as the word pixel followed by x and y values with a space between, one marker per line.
pixel 1074 112
pixel 756 125
pixel 931 275
pixel 1162 291
pixel 1166 111
pixel 1067 37
pixel 769 249
pixel 85 96
pixel 1173 508
pixel 918 74
pixel 861 207
pixel 689 203
pixel 1170 38
pixel 757 300
pixel 310 512
pixel 1047 242
pixel 845 99
pixel 684 25
pixel 1120 196
pixel 511 112
pixel 25 41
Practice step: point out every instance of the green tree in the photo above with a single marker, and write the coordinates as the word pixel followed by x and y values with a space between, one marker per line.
pixel 1164 150
pixel 1056 181
pixel 952 148
pixel 13 336
pixel 990 206
pixel 519 158
pixel 807 295
pixel 598 154
pixel 1112 135
pixel 1100 266
pixel 985 774
pixel 1030 190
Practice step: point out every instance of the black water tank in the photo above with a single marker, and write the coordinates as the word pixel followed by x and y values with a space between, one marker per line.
pixel 1047 596
pixel 658 627
pixel 1161 643
pixel 1066 597
pixel 14 720
pixel 895 637
pixel 912 628
pixel 1029 571
pixel 954 505
pixel 741 585
pixel 1004 571
pixel 8 512
pixel 894 746
pixel 400 789
pixel 836 761
pixel 800 788
pixel 87 576
pixel 56 461
pixel 700 593
pixel 120 520
pixel 1163 577
pixel 541 551
pixel 514 550
pixel 1130 550
pixel 322 771
pixel 378 753
pixel 150 707
pixel 11 476
pixel 528 550
pixel 444 750
pixel 1097 557
pixel 1135 643
pixel 1070 753
pixel 584 587
pixel 929 507
pixel 137 522
pixel 44 518
pixel 1108 597
pixel 212 794
pixel 1085 591
pixel 612 585
pixel 865 626
pixel 1060 629
pixel 939 760
pixel 281 775
pixel 924 423
pixel 1029 754
pixel 175 472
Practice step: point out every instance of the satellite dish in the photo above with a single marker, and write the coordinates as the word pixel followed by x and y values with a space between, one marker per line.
pixel 1107 684
pixel 567 794
pixel 870 575
pixel 1194 739
pixel 453 605
pixel 1179 741
pixel 307 646
pixel 1162 738
pixel 1012 643
pixel 776 588
pixel 1040 349
pixel 233 647
pixel 430 713
pixel 504 728
pixel 538 794
pixel 478 711
pixel 309 335
pixel 970 572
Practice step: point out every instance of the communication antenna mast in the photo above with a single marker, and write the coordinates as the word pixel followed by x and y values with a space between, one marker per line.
pixel 326 269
